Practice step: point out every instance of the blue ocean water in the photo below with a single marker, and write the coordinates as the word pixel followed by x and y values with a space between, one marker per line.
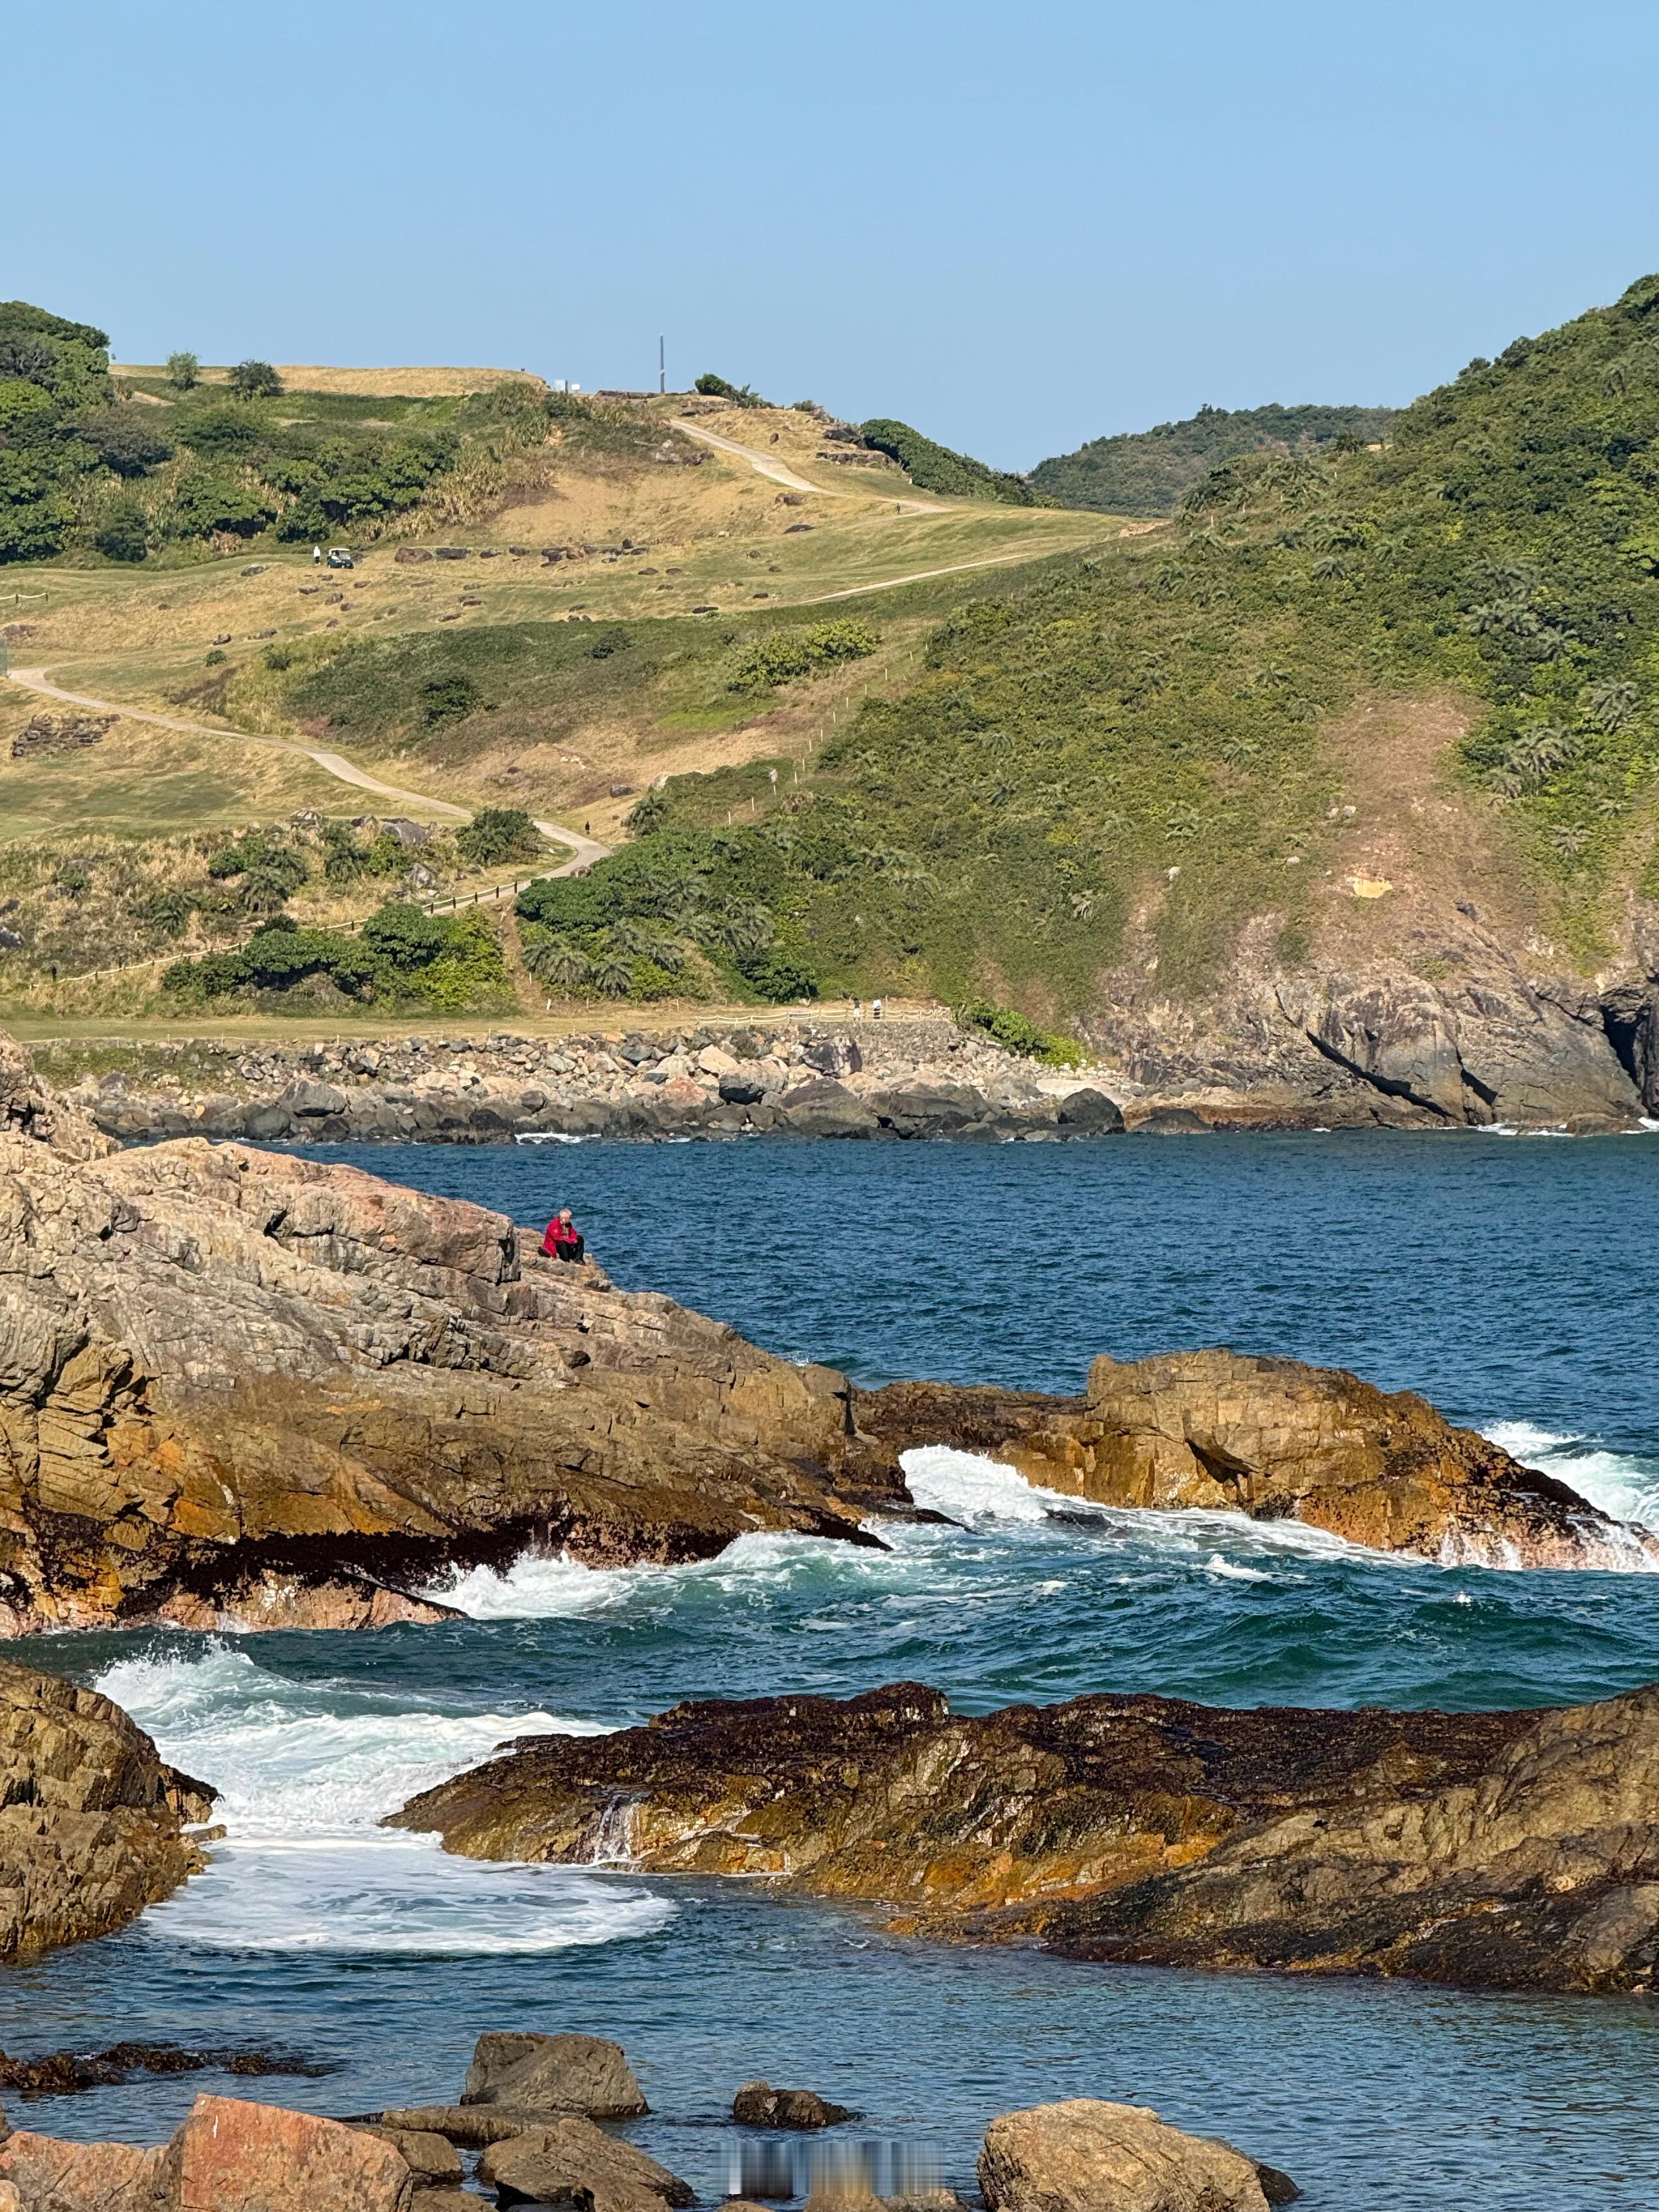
pixel 1510 1280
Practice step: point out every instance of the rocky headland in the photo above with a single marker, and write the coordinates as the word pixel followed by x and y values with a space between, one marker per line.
pixel 1484 1850
pixel 242 1387
pixel 93 1824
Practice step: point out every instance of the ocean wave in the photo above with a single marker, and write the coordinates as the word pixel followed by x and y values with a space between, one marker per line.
pixel 305 1771
pixel 555 1586
pixel 1623 1484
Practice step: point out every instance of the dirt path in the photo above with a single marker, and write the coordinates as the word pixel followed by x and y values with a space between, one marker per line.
pixel 780 472
pixel 584 850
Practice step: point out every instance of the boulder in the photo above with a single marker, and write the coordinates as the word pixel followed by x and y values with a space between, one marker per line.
pixel 46 2175
pixel 554 2074
pixel 1173 1122
pixel 91 1821
pixel 826 1109
pixel 231 2156
pixel 1092 1110
pixel 758 2104
pixel 432 2158
pixel 1086 2155
pixel 744 1088
pixel 928 1109
pixel 573 2161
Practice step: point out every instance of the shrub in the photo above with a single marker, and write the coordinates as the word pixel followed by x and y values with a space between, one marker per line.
pixel 206 502
pixel 737 395
pixel 184 371
pixel 1014 1033
pixel 780 655
pixel 447 697
pixel 255 379
pixel 123 535
pixel 126 439
pixel 496 835
pixel 934 467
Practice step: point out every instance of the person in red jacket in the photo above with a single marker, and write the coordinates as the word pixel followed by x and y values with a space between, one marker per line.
pixel 563 1239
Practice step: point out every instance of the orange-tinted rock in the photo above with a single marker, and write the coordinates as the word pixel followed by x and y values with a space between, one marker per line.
pixel 1273 1438
pixel 1085 2155
pixel 49 2176
pixel 229 2156
pixel 91 1821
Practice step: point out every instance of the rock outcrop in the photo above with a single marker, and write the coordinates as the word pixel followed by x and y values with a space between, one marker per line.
pixel 574 2162
pixel 236 1387
pixel 1277 1440
pixel 1489 1849
pixel 92 1823
pixel 1085 2155
pixel 759 2105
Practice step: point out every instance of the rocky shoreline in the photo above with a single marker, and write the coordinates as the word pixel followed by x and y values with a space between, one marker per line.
pixel 822 1075
pixel 1483 1849
pixel 240 1389
pixel 534 2125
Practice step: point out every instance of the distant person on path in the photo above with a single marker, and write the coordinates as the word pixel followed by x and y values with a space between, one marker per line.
pixel 857 1008
pixel 316 555
pixel 875 1009
pixel 563 1239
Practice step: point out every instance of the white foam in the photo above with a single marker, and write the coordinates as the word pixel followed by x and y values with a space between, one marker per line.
pixel 304 1773
pixel 1619 1482
pixel 1215 1565
pixel 540 1587
pixel 976 1490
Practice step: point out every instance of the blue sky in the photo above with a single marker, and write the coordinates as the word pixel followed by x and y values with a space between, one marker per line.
pixel 1015 225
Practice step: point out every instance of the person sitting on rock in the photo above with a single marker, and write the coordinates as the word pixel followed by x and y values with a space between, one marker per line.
pixel 563 1240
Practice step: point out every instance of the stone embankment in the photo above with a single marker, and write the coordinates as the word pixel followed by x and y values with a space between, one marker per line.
pixel 1485 1849
pixel 92 1822
pixel 922 1078
pixel 232 2156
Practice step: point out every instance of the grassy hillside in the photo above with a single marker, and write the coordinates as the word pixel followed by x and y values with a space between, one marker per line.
pixel 932 467
pixel 1148 748
pixel 1150 471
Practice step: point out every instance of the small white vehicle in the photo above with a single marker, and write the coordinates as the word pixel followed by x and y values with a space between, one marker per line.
pixel 339 557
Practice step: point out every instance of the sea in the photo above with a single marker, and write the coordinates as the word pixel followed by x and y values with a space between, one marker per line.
pixel 1510 1279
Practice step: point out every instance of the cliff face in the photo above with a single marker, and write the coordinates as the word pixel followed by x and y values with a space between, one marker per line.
pixel 233 1385
pixel 90 1819
pixel 1498 1850
pixel 1228 1431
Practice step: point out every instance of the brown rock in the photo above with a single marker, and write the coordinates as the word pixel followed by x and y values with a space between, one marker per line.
pixel 1498 1850
pixel 580 2073
pixel 429 2158
pixel 473 2126
pixel 1273 1438
pixel 91 1821
pixel 49 2175
pixel 229 2156
pixel 758 2104
pixel 240 1389
pixel 1085 2155
pixel 574 2162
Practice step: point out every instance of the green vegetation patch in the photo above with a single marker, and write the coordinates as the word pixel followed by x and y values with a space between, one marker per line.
pixel 1150 471
pixel 404 958
pixel 932 467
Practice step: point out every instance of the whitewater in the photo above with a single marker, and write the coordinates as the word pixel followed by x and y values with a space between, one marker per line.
pixel 1508 1282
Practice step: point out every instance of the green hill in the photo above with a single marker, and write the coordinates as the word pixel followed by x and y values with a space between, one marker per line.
pixel 1150 471
pixel 1137 750
pixel 932 467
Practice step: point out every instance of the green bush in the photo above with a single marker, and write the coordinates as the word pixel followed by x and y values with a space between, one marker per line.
pixel 779 656
pixel 123 535
pixel 736 395
pixel 449 697
pixel 255 379
pixel 1014 1033
pixel 496 835
pixel 184 371
pixel 934 467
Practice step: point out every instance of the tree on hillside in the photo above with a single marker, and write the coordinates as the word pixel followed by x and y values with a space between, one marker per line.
pixel 123 533
pixel 184 371
pixel 716 387
pixel 255 379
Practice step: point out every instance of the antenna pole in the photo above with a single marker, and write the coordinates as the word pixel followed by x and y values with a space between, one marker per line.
pixel 662 368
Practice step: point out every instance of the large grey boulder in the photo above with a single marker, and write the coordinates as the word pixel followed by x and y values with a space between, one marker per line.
pixel 826 1109
pixel 1086 2155
pixel 574 2162
pixel 554 2074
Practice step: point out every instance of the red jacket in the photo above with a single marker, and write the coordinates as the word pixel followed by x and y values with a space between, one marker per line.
pixel 559 1232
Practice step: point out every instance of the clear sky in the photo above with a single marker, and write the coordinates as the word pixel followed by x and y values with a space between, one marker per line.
pixel 1017 225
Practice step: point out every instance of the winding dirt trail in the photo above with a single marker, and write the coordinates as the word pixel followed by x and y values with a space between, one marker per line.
pixel 780 472
pixel 584 850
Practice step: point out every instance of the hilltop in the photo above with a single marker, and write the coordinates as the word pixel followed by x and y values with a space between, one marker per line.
pixel 1150 471
pixel 1331 797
